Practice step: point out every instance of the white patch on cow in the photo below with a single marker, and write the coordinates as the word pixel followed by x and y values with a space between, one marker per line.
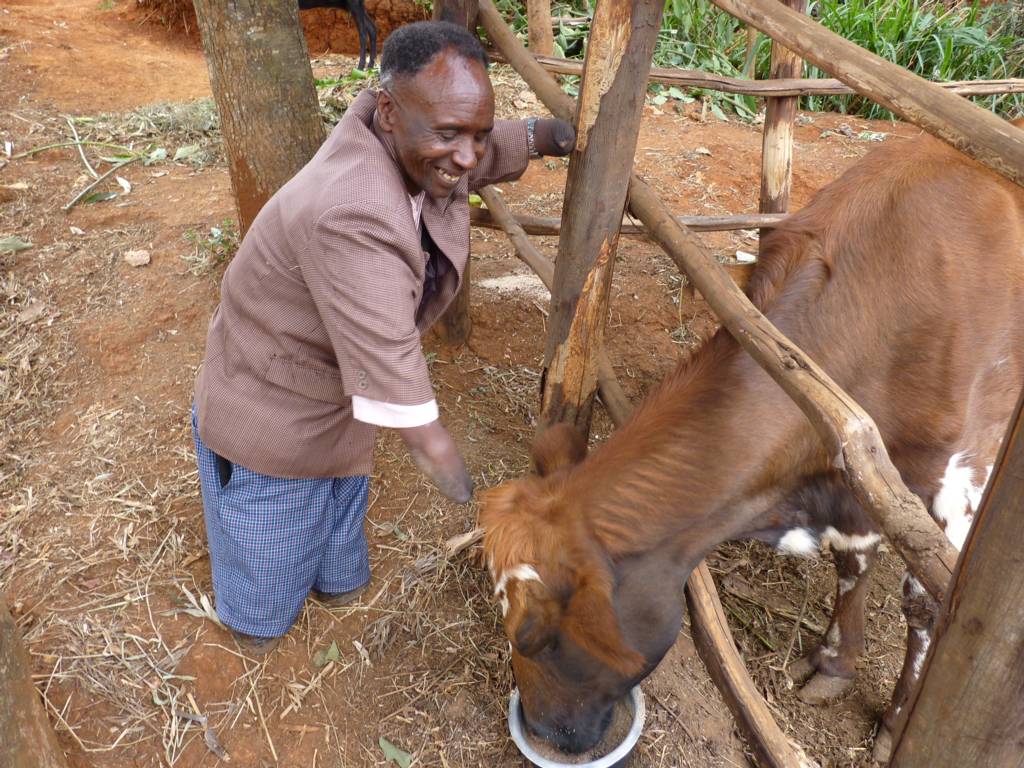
pixel 846 585
pixel 857 542
pixel 798 541
pixel 516 573
pixel 862 562
pixel 833 637
pixel 925 639
pixel 911 586
pixel 957 499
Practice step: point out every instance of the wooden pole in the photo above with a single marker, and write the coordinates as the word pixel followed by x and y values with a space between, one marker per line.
pixel 777 144
pixel 454 326
pixel 542 39
pixel 968 708
pixel 820 86
pixel 972 130
pixel 547 225
pixel 611 102
pixel 26 739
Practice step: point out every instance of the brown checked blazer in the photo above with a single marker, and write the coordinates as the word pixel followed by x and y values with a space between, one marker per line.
pixel 320 303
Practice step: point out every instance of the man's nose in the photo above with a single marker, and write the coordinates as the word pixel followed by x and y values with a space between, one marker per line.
pixel 466 155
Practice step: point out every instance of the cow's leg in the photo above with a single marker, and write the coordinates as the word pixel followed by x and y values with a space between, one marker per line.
pixel 921 610
pixel 832 666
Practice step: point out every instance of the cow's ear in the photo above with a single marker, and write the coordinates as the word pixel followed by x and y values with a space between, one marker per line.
pixel 533 618
pixel 558 447
pixel 590 621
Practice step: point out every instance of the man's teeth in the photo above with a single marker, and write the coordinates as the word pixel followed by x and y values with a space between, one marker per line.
pixel 447 176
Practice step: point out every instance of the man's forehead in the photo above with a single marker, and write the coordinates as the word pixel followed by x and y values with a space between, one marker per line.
pixel 448 76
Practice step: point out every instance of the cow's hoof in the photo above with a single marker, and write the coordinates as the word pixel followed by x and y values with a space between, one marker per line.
pixel 883 746
pixel 823 688
pixel 801 670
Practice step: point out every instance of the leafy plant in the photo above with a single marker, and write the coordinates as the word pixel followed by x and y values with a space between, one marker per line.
pixel 211 249
pixel 937 39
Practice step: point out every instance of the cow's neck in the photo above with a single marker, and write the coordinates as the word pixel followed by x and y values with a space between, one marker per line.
pixel 712 449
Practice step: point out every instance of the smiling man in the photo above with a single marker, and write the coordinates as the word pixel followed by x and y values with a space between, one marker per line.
pixel 316 342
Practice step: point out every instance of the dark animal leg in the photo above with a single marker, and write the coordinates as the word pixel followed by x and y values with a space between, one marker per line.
pixel 367 32
pixel 832 666
pixel 920 610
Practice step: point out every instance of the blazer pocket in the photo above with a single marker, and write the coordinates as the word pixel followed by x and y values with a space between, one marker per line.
pixel 309 379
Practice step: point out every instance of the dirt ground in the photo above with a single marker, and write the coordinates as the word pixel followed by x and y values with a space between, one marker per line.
pixel 102 547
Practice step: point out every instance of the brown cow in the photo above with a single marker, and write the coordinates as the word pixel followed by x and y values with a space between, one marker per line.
pixel 904 279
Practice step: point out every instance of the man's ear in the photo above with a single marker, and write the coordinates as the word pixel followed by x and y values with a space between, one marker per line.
pixel 385 111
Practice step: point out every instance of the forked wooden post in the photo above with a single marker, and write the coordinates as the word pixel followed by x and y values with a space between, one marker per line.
pixel 777 144
pixel 971 686
pixel 454 326
pixel 610 105
pixel 538 14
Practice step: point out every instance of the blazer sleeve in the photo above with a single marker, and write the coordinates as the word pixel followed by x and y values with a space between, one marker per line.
pixel 507 155
pixel 358 271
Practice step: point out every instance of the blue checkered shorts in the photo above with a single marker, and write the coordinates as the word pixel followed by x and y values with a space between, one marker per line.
pixel 273 539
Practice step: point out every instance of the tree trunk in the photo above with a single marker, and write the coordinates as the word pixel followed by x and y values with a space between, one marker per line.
pixel 263 85
pixel 777 145
pixel 968 709
pixel 461 12
pixel 611 101
pixel 542 40
pixel 26 739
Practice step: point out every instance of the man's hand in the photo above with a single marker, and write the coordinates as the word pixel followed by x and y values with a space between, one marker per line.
pixel 552 136
pixel 437 457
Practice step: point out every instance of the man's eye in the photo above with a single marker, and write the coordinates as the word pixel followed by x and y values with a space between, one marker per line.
pixel 447 135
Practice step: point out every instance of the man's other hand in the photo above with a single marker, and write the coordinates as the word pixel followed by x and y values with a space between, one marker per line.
pixel 435 454
pixel 552 136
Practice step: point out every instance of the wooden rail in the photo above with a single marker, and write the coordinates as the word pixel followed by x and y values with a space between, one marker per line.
pixel 693 78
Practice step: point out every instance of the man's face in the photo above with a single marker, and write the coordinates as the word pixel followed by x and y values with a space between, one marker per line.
pixel 440 120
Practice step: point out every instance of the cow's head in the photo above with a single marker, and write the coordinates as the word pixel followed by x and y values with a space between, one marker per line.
pixel 583 629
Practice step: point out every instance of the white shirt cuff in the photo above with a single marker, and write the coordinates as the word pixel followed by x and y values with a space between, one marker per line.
pixel 391 415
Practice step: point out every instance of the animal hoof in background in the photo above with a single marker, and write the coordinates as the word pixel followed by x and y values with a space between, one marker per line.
pixel 883 746
pixel 823 688
pixel 800 671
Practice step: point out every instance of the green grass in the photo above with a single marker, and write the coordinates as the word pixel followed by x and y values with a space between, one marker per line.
pixel 955 41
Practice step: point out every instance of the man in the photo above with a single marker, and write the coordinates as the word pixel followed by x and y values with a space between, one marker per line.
pixel 316 342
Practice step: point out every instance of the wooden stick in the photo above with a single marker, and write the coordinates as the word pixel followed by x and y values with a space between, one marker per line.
pixel 622 38
pixel 549 225
pixel 972 130
pixel 696 79
pixel 777 141
pixel 541 34
pixel 710 636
